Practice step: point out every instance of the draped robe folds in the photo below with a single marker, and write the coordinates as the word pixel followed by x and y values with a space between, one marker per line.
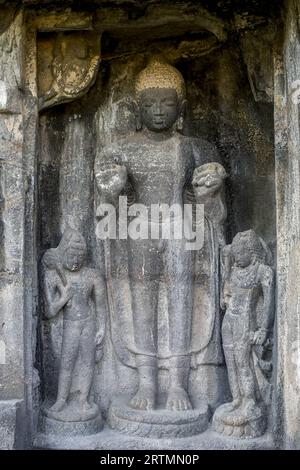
pixel 205 341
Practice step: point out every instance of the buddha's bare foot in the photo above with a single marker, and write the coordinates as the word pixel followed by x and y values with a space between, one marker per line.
pixel 178 400
pixel 58 405
pixel 144 399
pixel 87 410
pixel 85 405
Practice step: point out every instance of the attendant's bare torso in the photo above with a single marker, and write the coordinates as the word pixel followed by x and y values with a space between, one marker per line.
pixel 245 290
pixel 81 283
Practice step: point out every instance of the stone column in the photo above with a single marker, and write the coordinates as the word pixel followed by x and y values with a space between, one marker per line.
pixel 287 155
pixel 12 193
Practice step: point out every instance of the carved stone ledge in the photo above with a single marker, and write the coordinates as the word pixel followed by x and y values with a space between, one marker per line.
pixel 62 20
pixel 245 429
pixel 163 21
pixel 55 427
pixel 158 423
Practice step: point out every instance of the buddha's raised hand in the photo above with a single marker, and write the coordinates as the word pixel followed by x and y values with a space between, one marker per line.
pixel 208 179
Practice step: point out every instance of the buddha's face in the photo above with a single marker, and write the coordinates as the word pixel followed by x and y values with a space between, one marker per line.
pixel 159 108
pixel 74 259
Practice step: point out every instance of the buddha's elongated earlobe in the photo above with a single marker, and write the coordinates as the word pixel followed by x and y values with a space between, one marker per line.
pixel 181 115
pixel 179 124
pixel 139 125
pixel 137 113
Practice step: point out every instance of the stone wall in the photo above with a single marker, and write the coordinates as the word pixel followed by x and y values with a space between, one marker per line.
pixel 12 227
pixel 287 204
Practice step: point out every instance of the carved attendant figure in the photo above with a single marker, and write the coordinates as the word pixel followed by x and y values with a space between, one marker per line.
pixel 248 298
pixel 79 293
pixel 156 164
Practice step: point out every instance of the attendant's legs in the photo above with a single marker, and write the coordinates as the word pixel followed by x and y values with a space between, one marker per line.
pixel 246 376
pixel 69 353
pixel 232 368
pixel 87 353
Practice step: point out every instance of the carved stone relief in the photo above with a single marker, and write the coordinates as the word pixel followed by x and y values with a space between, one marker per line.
pixel 163 299
pixel 166 331
pixel 67 66
pixel 248 298
pixel 78 294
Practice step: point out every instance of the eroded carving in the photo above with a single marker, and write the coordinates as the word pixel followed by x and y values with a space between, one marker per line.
pixel 258 55
pixel 68 65
pixel 247 296
pixel 78 293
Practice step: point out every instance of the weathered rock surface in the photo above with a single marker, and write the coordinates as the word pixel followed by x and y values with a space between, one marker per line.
pixel 67 99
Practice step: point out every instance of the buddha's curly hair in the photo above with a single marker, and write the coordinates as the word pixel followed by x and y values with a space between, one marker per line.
pixel 160 74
